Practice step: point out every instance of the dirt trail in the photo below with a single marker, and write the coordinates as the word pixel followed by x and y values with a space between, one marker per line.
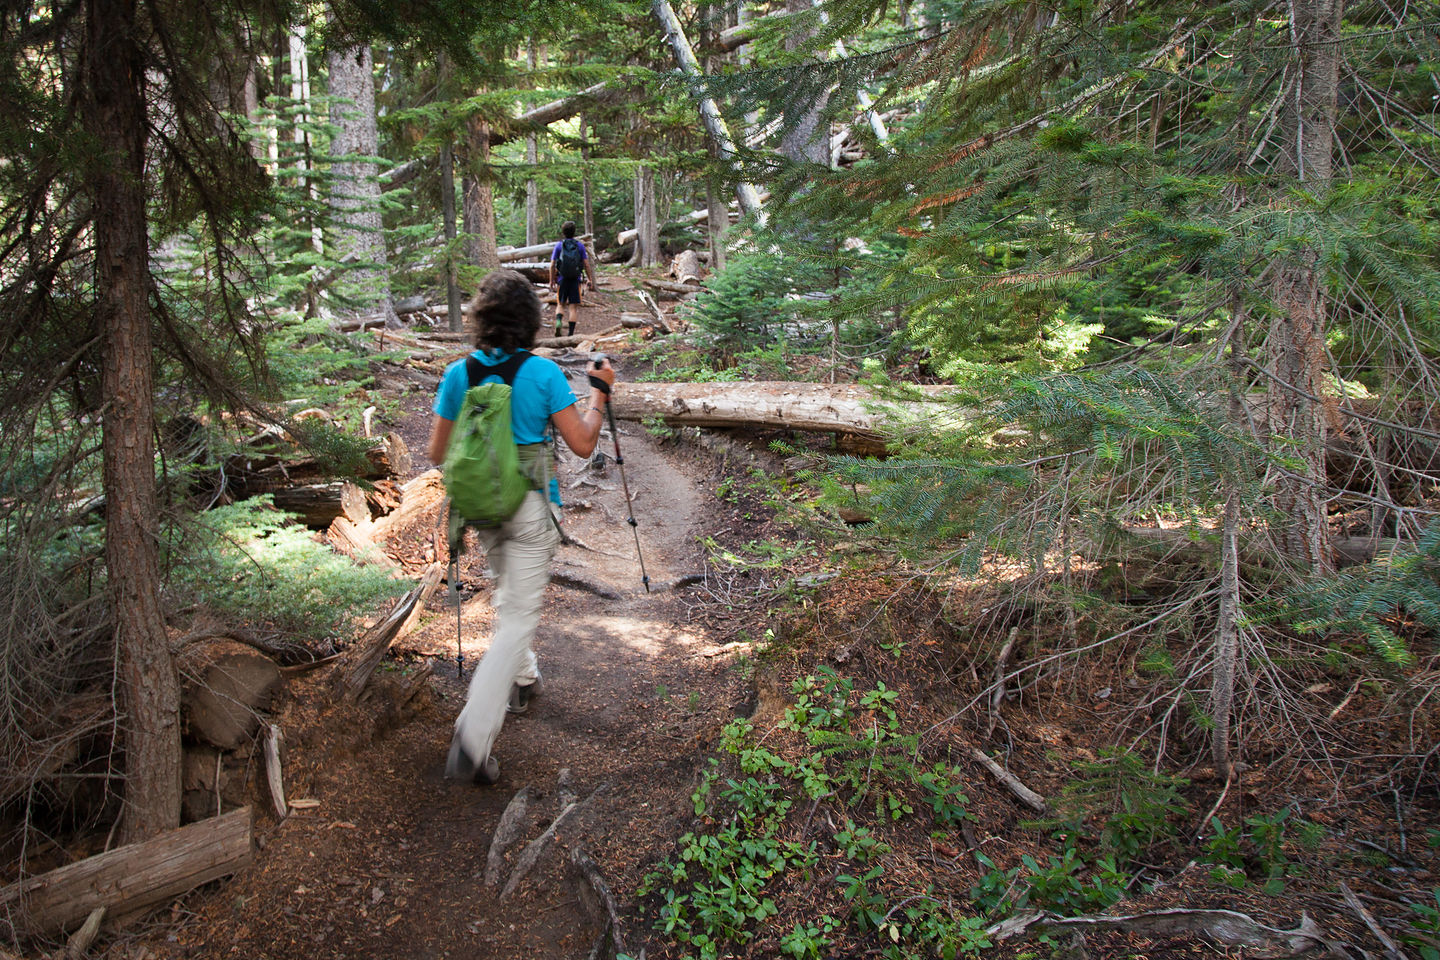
pixel 391 861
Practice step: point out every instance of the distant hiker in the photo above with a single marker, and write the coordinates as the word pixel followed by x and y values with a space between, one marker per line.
pixel 567 261
pixel 507 316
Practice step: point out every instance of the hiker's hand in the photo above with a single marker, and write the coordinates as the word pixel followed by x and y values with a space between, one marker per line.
pixel 602 371
pixel 593 288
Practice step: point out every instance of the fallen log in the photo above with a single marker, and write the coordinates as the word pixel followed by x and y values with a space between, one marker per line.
pixel 815 407
pixel 679 289
pixel 1008 780
pixel 318 504
pixel 544 250
pixel 127 880
pixel 367 653
pixel 224 686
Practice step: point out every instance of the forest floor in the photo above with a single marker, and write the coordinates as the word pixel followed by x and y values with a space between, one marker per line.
pixel 386 858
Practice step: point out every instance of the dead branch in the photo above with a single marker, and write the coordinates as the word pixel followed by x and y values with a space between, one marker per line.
pixel 1008 780
pixel 1226 927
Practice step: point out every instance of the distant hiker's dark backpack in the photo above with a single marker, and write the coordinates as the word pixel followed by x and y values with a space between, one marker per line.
pixel 571 260
pixel 483 475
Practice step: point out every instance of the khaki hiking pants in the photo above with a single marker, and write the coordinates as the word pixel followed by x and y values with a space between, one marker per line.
pixel 519 551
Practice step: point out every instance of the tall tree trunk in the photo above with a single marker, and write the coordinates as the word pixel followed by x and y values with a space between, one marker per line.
pixel 114 115
pixel 532 158
pixel 447 215
pixel 808 139
pixel 647 224
pixel 716 224
pixel 300 94
pixel 481 246
pixel 1296 344
pixel 355 191
pixel 585 191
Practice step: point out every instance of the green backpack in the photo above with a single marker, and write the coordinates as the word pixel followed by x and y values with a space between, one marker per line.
pixel 482 465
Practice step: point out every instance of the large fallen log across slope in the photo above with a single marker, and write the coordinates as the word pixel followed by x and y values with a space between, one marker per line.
pixel 128 879
pixel 817 407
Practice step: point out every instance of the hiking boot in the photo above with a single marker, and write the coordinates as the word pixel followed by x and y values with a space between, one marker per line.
pixel 558 321
pixel 459 766
pixel 520 696
pixel 572 328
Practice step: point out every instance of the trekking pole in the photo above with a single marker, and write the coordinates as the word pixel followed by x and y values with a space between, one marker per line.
pixel 620 462
pixel 454 579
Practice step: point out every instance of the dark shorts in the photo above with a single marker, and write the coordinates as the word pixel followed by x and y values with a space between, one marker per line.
pixel 569 289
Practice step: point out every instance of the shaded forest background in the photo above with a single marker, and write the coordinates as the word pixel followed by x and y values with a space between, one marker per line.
pixel 1180 261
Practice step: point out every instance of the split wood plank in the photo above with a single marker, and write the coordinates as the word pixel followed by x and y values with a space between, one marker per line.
pixel 370 649
pixel 416 496
pixel 128 879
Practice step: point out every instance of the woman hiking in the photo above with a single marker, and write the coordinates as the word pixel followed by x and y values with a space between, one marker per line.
pixel 506 315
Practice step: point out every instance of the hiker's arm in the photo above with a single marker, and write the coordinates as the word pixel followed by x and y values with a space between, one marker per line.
pixel 439 438
pixel 580 429
pixel 552 271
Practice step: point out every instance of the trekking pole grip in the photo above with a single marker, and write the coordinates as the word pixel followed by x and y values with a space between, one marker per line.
pixel 596 382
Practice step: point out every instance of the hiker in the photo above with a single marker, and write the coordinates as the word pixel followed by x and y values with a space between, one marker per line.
pixel 507 315
pixel 567 260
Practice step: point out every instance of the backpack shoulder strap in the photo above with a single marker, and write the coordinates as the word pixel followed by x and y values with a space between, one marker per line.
pixel 510 366
pixel 475 371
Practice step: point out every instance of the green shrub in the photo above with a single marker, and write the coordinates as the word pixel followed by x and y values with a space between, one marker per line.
pixel 253 562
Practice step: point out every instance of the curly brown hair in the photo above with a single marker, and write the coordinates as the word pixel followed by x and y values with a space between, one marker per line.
pixel 505 312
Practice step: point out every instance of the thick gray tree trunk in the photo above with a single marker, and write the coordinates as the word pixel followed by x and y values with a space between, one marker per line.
pixel 807 140
pixel 1295 347
pixel 358 233
pixel 647 223
pixel 113 113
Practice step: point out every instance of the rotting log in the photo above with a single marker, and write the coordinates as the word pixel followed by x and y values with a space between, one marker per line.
pixel 354 540
pixel 365 656
pixel 417 496
pixel 318 504
pixel 224 685
pixel 814 407
pixel 129 879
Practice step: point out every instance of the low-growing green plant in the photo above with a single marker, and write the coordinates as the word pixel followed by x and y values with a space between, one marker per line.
pixel 1256 851
pixel 254 562
pixel 1424 932
pixel 1133 805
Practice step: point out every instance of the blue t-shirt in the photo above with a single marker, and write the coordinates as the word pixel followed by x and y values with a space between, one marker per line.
pixel 540 389
pixel 555 253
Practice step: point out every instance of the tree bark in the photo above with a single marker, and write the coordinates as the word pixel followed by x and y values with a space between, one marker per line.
pixel 805 139
pixel 532 158
pixel 455 321
pixel 717 220
pixel 113 112
pixel 480 241
pixel 589 202
pixel 647 225
pixel 355 190
pixel 1296 344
